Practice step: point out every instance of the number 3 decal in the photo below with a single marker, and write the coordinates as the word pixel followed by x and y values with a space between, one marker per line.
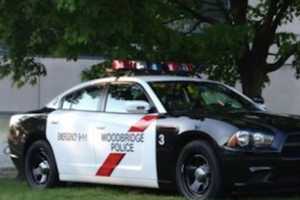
pixel 161 139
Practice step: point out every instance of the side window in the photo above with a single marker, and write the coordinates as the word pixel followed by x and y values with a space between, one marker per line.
pixel 218 95
pixel 173 96
pixel 87 99
pixel 120 94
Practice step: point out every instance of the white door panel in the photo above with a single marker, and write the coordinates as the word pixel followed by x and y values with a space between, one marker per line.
pixel 105 147
pixel 137 155
pixel 71 135
pixel 84 152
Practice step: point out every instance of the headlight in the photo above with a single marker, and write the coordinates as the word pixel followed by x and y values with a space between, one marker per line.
pixel 262 140
pixel 243 138
pixel 248 139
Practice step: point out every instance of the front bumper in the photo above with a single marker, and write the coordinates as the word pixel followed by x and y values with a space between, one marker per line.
pixel 246 169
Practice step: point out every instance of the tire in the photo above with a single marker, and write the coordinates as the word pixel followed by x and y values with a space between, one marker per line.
pixel 40 167
pixel 198 172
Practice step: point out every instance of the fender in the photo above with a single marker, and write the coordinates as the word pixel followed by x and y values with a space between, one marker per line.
pixel 24 129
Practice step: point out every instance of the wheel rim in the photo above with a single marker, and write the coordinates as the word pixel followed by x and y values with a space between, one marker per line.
pixel 197 174
pixel 39 167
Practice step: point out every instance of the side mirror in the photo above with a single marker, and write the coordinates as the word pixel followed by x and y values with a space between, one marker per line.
pixel 258 100
pixel 138 107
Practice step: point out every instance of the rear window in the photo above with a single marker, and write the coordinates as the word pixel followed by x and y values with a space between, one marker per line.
pixel 87 99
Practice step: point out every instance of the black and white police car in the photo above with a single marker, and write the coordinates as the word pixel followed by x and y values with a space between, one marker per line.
pixel 201 137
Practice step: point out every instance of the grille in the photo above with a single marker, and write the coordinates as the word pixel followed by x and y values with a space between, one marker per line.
pixel 291 148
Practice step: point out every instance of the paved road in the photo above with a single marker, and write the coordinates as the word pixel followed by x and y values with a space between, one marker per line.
pixel 4 160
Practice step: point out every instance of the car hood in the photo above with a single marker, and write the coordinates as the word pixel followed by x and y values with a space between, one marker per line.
pixel 262 121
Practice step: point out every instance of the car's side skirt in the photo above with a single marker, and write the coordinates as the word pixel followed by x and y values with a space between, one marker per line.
pixel 111 181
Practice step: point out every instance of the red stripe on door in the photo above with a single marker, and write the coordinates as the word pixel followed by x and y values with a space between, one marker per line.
pixel 113 159
pixel 109 165
pixel 143 123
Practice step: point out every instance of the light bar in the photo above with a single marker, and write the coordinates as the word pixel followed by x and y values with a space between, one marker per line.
pixel 124 65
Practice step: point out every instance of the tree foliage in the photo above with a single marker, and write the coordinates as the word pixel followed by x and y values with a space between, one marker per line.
pixel 241 43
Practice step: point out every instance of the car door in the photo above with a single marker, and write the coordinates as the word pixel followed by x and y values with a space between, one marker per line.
pixel 125 147
pixel 71 133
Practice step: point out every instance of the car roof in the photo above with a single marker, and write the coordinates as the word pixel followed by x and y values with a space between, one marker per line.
pixel 156 78
pixel 138 79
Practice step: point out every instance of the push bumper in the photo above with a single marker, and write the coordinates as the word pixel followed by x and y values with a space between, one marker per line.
pixel 245 169
pixel 14 153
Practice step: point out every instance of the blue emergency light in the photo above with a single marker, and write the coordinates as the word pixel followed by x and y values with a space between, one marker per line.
pixel 154 67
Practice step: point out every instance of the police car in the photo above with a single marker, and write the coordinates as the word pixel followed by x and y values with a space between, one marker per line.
pixel 201 137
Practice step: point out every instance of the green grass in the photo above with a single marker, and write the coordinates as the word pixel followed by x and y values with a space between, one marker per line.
pixel 11 189
pixel 15 190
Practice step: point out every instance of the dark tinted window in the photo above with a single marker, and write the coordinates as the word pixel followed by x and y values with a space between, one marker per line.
pixel 188 96
pixel 120 94
pixel 88 99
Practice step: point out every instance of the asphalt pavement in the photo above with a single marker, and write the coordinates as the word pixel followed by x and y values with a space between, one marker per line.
pixel 4 160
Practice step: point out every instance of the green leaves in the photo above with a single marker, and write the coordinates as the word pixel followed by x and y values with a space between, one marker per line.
pixel 96 71
pixel 68 5
pixel 26 71
pixel 192 31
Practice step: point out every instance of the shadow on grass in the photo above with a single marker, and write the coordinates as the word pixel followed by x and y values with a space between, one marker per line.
pixel 260 193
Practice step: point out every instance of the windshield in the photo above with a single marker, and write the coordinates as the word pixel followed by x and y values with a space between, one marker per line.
pixel 192 96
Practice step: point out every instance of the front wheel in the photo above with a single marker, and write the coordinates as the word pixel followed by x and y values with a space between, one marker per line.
pixel 40 167
pixel 198 173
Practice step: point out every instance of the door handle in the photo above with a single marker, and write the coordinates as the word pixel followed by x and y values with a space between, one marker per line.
pixel 101 128
pixel 54 122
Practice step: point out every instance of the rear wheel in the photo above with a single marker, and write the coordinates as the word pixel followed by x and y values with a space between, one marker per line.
pixel 198 173
pixel 40 167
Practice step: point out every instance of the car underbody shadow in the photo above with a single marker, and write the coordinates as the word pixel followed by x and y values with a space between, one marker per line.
pixel 258 192
pixel 266 192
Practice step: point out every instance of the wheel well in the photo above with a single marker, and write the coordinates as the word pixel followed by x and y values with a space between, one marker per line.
pixel 182 140
pixel 188 137
pixel 31 139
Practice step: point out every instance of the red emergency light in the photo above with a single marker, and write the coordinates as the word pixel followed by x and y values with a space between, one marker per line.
pixel 164 68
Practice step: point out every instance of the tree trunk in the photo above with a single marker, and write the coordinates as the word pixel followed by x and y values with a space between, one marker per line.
pixel 252 80
pixel 252 64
